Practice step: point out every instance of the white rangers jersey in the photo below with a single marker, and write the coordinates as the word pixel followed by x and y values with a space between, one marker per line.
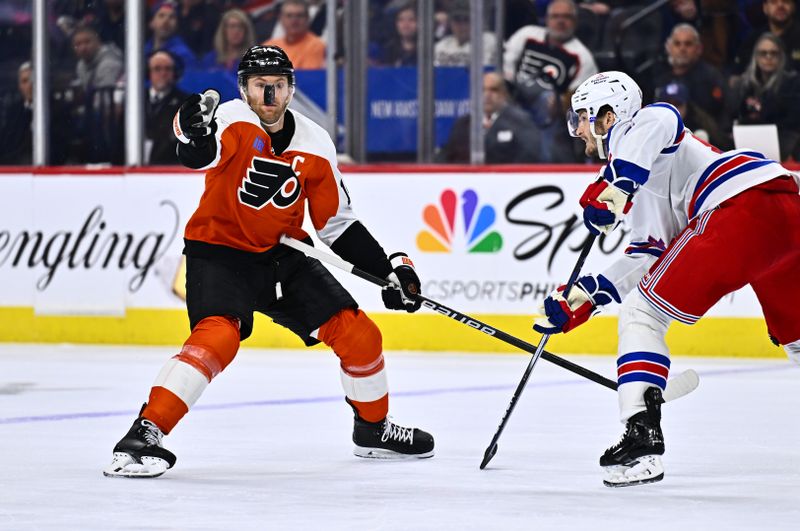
pixel 678 177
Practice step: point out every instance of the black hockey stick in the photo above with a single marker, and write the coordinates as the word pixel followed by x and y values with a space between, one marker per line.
pixel 573 277
pixel 453 314
pixel 680 385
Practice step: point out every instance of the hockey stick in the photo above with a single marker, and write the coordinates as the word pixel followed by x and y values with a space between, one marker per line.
pixel 491 450
pixel 681 385
pixel 449 312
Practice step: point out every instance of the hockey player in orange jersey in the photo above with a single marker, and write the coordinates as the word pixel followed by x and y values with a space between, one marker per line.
pixel 263 163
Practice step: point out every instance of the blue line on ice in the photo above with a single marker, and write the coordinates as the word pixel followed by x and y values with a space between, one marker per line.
pixel 320 399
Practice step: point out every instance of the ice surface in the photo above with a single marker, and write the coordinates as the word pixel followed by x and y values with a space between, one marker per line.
pixel 268 446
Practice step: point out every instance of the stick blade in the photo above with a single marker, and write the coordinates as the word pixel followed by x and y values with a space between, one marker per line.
pixel 681 385
pixel 488 454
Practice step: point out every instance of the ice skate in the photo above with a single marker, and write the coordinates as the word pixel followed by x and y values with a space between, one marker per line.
pixel 636 458
pixel 387 440
pixel 139 454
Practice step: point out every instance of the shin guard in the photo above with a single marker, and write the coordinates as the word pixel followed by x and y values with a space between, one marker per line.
pixel 209 349
pixel 357 342
pixel 643 358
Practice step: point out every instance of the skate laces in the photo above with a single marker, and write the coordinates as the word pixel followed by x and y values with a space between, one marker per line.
pixel 397 433
pixel 151 433
pixel 625 435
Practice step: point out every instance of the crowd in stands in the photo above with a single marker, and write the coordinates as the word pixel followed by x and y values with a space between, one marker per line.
pixel 721 62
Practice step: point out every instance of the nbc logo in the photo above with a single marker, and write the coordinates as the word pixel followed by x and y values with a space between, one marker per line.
pixel 473 225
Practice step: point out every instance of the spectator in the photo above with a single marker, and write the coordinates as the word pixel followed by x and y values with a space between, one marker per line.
pixel 454 50
pixel 306 50
pixel 99 65
pixel 546 65
pixel 510 136
pixel 199 21
pixel 401 48
pixel 164 25
pixel 767 93
pixel 111 22
pixel 98 124
pixel 707 88
pixel 549 57
pixel 16 118
pixel 780 15
pixel 699 122
pixel 16 123
pixel 163 101
pixel 317 12
pixel 234 36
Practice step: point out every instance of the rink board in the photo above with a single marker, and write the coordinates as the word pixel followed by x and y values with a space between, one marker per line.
pixel 92 256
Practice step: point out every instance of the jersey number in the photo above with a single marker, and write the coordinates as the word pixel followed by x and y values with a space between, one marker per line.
pixel 269 181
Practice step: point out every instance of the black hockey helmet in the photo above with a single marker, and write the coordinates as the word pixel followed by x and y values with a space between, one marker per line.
pixel 265 60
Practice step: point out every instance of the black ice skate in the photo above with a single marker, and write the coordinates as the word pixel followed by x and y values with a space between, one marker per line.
pixel 387 440
pixel 636 458
pixel 139 454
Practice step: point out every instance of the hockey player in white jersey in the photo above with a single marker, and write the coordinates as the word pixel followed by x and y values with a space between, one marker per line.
pixel 703 224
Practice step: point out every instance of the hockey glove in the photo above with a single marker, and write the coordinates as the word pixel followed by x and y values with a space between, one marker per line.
pixel 604 205
pixel 586 295
pixel 401 293
pixel 195 118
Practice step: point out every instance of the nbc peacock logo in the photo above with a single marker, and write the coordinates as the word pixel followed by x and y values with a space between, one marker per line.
pixel 447 229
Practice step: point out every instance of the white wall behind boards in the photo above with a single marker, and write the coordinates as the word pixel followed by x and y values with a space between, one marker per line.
pixel 482 242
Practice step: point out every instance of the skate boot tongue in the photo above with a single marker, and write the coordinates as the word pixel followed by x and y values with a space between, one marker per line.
pixel 387 440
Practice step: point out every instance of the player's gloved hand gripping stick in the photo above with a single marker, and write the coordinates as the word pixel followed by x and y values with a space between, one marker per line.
pixel 588 295
pixel 403 285
pixel 680 385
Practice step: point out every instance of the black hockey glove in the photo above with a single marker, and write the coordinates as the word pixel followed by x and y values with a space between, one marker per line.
pixel 195 118
pixel 404 285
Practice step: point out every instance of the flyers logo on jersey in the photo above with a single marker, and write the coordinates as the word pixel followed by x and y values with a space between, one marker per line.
pixel 269 181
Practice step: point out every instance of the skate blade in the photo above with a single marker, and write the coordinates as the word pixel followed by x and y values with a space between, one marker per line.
pixel 125 466
pixel 648 469
pixel 382 453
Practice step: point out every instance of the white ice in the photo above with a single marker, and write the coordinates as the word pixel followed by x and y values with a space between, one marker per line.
pixel 268 446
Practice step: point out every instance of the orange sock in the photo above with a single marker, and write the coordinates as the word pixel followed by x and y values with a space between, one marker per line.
pixel 358 343
pixel 210 348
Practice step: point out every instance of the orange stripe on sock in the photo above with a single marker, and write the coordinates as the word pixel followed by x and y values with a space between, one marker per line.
pixel 201 359
pixel 356 340
pixel 365 370
pixel 211 346
pixel 164 408
pixel 374 411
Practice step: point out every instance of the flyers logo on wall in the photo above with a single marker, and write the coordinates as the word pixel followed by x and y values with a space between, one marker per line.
pixel 459 223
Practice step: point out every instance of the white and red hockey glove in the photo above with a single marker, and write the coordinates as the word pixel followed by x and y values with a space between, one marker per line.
pixel 195 118
pixel 562 315
pixel 604 205
pixel 404 285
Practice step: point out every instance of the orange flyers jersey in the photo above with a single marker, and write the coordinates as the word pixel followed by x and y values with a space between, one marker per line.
pixel 252 196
